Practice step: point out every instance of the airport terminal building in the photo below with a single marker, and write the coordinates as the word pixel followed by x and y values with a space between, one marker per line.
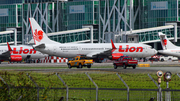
pixel 95 21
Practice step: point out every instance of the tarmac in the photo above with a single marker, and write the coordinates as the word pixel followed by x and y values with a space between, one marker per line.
pixel 172 66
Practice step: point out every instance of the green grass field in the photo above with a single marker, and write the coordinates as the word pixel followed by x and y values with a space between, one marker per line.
pixel 74 80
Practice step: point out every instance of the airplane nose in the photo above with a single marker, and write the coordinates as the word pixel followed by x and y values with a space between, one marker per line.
pixel 45 55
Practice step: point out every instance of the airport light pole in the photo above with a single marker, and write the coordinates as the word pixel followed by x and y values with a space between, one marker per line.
pixel 159 93
pixel 167 78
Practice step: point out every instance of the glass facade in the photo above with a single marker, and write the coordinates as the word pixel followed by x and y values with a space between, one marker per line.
pixel 10 17
pixel 153 14
pixel 119 5
pixel 76 13
pixel 37 1
pixel 72 15
pixel 11 1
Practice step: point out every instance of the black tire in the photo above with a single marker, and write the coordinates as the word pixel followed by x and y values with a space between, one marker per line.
pixel 124 66
pixel 89 66
pixel 69 66
pixel 115 66
pixel 162 60
pixel 134 67
pixel 80 66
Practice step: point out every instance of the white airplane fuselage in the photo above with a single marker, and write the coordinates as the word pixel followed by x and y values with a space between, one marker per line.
pixel 91 50
pixel 72 50
pixel 171 52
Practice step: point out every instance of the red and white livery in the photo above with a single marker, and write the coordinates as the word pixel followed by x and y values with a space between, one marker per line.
pixel 18 53
pixel 168 47
pixel 91 50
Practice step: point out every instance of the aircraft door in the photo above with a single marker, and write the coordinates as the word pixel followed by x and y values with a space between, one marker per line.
pixel 146 50
pixel 54 52
pixel 79 50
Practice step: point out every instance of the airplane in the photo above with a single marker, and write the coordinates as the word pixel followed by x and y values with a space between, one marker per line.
pixel 168 47
pixel 90 50
pixel 18 53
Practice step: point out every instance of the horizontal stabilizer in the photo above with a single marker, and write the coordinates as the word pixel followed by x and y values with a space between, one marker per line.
pixel 39 46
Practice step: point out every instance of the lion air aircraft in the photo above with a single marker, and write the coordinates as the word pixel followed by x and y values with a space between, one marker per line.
pixel 90 50
pixel 18 53
pixel 168 47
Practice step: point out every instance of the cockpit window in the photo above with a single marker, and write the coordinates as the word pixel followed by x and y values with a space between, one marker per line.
pixel 150 47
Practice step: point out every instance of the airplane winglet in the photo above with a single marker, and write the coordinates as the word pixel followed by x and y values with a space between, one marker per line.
pixel 113 46
pixel 9 48
pixel 161 35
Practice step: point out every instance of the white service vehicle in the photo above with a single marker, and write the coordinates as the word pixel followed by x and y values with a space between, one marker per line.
pixel 168 58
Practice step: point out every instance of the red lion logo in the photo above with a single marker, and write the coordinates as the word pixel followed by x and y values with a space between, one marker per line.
pixel 165 42
pixel 38 36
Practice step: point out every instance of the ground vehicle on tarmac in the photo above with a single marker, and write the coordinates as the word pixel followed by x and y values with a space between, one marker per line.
pixel 166 58
pixel 79 62
pixel 125 61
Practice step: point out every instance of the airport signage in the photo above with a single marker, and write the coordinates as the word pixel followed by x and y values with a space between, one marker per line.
pixel 3 12
pixel 163 5
pixel 77 9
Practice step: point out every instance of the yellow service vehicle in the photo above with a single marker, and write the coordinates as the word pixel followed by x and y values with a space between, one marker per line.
pixel 79 62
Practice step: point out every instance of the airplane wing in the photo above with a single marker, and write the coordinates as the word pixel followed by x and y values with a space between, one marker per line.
pixel 103 53
pixel 100 53
pixel 7 54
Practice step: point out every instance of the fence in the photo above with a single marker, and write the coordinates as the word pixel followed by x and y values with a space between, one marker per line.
pixel 106 87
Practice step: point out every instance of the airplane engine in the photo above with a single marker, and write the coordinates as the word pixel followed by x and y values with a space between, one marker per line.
pixel 15 58
pixel 115 56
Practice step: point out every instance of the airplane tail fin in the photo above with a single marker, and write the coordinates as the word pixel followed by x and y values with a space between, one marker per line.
pixel 165 43
pixel 113 46
pixel 9 48
pixel 38 34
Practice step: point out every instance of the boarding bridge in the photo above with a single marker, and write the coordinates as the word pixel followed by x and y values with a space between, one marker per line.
pixel 8 36
pixel 83 35
pixel 149 35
